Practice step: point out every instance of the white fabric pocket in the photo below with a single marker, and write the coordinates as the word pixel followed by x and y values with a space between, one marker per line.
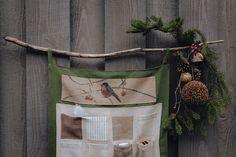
pixel 145 148
pixel 70 149
pixel 123 149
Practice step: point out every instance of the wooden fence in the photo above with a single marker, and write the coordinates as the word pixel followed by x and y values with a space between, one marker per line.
pixel 99 26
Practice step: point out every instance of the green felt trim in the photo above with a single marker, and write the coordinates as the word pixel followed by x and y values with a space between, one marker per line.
pixel 54 72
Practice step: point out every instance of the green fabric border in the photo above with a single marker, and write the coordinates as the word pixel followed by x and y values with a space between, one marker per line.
pixel 54 72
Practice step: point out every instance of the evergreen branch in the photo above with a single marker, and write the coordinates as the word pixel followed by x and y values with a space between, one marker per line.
pixel 191 118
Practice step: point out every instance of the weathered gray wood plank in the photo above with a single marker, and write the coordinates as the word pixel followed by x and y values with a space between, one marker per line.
pixel 167 10
pixel 87 32
pixel 217 20
pixel 48 24
pixel 12 81
pixel 117 20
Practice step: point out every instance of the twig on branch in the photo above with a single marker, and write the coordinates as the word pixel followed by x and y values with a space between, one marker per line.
pixel 84 55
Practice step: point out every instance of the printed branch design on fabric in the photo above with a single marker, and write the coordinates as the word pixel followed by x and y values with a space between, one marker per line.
pixel 108 91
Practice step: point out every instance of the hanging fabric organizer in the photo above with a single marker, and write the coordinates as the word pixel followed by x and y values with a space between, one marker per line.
pixel 124 114
pixel 107 114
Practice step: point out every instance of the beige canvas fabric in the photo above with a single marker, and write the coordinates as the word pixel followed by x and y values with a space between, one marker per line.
pixel 122 128
pixel 126 91
pixel 123 149
pixel 112 132
pixel 146 148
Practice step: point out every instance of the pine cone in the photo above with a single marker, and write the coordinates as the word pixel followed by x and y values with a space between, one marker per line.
pixel 194 92
pixel 182 67
pixel 197 75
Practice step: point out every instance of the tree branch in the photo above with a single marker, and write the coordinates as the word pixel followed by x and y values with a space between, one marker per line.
pixel 101 55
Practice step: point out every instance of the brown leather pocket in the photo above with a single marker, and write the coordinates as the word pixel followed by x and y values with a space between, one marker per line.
pixel 71 127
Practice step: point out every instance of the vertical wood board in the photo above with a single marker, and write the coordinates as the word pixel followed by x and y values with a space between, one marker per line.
pixel 87 32
pixel 117 20
pixel 47 24
pixel 12 81
pixel 216 20
pixel 167 10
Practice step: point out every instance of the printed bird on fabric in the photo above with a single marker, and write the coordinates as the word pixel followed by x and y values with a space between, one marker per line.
pixel 107 91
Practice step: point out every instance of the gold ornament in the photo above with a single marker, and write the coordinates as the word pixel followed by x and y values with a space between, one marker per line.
pixel 198 57
pixel 194 92
pixel 185 77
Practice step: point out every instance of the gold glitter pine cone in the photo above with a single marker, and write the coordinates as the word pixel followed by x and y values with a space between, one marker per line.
pixel 185 77
pixel 194 92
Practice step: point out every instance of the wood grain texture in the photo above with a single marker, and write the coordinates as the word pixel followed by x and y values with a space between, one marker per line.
pixel 217 20
pixel 87 32
pixel 167 10
pixel 117 20
pixel 12 81
pixel 47 24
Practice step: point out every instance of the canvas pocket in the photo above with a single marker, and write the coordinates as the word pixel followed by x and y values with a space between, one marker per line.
pixel 96 128
pixel 70 149
pixel 98 149
pixel 146 126
pixel 122 128
pixel 123 149
pixel 71 127
pixel 145 148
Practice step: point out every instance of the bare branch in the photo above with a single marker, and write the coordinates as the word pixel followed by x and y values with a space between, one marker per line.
pixel 101 55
